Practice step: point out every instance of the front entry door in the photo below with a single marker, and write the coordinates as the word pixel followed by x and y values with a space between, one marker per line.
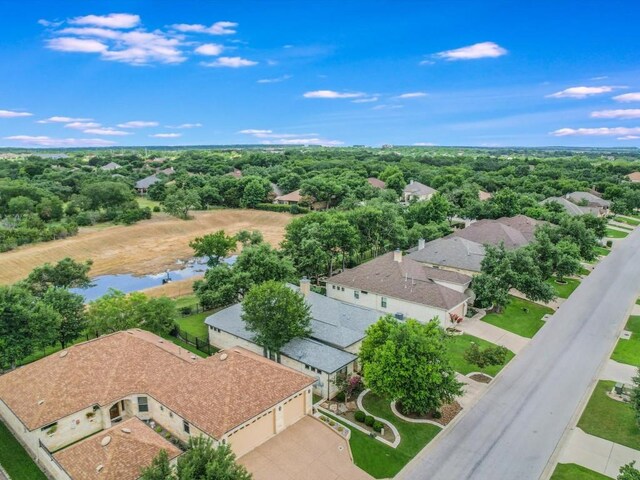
pixel 114 411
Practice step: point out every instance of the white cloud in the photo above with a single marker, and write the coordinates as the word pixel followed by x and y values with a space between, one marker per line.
pixel 269 137
pixel 426 62
pixel 412 95
pixel 13 114
pixel 185 125
pixel 424 144
pixel 304 141
pixel 166 135
pixel 43 141
pixel 601 131
pixel 91 32
pixel 332 94
pixel 47 23
pixel 113 20
pixel 106 131
pixel 472 52
pixel 365 100
pixel 581 92
pixel 253 131
pixel 629 137
pixel 79 45
pixel 82 125
pixel 386 106
pixel 230 62
pixel 628 97
pixel 620 113
pixel 138 124
pixel 274 80
pixel 59 119
pixel 218 28
pixel 209 49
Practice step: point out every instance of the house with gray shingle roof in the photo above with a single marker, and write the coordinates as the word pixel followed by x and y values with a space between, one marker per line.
pixel 143 185
pixel 337 330
pixel 403 287
pixel 110 166
pixel 417 191
pixel 588 199
pixel 570 207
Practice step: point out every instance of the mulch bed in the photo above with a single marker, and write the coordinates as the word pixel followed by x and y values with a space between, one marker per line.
pixel 480 377
pixel 448 411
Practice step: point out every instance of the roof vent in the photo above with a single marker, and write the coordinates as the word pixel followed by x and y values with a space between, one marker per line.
pixel 105 441
pixel 99 468
pixel 126 430
pixel 193 357
pixel 63 353
pixel 223 357
pixel 160 341
pixel 40 402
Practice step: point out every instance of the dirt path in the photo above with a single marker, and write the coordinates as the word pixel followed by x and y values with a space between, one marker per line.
pixel 150 246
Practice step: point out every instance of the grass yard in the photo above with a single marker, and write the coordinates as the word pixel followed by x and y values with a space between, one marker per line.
pixel 149 246
pixel 515 319
pixel 379 460
pixel 194 324
pixel 147 202
pixel 628 351
pixel 566 289
pixel 15 460
pixel 628 220
pixel 609 419
pixel 571 471
pixel 186 301
pixel 601 251
pixel 458 344
pixel 611 233
pixel 583 271
pixel 638 301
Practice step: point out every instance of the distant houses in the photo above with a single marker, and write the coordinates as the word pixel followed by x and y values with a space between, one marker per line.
pixel 634 177
pixel 416 191
pixel 291 198
pixel 581 203
pixel 143 185
pixel 109 167
pixel 376 183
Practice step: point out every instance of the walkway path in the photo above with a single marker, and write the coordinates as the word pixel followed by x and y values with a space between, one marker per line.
pixel 597 454
pixel 513 431
pixel 476 327
pixel 618 372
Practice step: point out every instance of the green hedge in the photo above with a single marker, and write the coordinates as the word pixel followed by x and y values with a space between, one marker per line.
pixel 276 207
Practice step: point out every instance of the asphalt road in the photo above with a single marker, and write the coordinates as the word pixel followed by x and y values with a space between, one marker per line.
pixel 513 430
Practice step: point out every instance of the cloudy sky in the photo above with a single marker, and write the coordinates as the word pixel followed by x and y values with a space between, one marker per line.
pixel 482 73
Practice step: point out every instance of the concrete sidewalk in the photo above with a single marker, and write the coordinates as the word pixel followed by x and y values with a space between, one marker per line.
pixel 597 454
pixel 472 390
pixel 486 331
pixel 618 372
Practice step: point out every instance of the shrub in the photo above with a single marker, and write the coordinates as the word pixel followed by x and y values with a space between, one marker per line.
pixel 275 207
pixel 609 243
pixel 332 423
pixel 437 414
pixel 156 208
pixel 369 421
pixel 377 426
pixel 158 429
pixel 489 356
pixel 359 416
pixel 294 209
pixel 186 310
pixel 340 397
pixel 167 435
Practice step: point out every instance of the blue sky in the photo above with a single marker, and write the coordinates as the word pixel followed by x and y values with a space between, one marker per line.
pixel 498 73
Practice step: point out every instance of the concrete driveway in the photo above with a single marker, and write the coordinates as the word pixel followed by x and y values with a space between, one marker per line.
pixel 308 450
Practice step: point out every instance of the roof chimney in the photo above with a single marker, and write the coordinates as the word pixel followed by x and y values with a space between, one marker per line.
pixel 421 243
pixel 305 286
pixel 397 255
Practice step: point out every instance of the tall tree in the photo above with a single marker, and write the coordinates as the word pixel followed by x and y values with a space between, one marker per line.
pixel 70 307
pixel 67 273
pixel 160 468
pixel 629 472
pixel 262 262
pixel 180 202
pixel 202 461
pixel 276 315
pixel 254 193
pixel 408 362
pixel 214 246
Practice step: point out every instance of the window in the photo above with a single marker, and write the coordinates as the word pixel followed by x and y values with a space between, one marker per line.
pixel 383 302
pixel 50 426
pixel 356 294
pixel 186 427
pixel 143 404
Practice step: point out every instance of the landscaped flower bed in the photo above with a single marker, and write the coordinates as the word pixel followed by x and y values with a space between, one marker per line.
pixel 446 414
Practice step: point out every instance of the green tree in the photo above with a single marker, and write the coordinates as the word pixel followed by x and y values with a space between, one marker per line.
pixel 394 178
pixel 21 206
pixel 220 286
pixel 107 194
pixel 159 315
pixel 435 210
pixel 180 202
pixel 262 262
pixel 214 246
pixel 67 273
pixel 408 362
pixel 491 355
pixel 275 314
pixel 160 468
pixel 50 208
pixel 70 307
pixel 629 472
pixel 247 238
pixel 254 193
pixel 202 461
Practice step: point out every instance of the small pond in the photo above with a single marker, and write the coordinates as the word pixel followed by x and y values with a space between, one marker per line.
pixel 130 283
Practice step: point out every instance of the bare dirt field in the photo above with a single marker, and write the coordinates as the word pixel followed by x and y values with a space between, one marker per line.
pixel 150 246
pixel 175 289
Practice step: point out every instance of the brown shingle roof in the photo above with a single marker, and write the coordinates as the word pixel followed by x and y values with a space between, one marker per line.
pixel 121 459
pixel 634 176
pixel 514 232
pixel 376 183
pixel 290 197
pixel 408 280
pixel 212 394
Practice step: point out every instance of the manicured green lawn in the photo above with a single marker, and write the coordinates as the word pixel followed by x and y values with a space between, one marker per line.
pixel 515 319
pixel 147 202
pixel 627 220
pixel 565 289
pixel 15 460
pixel 194 324
pixel 379 460
pixel 628 351
pixel 458 344
pixel 583 271
pixel 611 233
pixel 186 301
pixel 601 251
pixel 571 471
pixel 609 419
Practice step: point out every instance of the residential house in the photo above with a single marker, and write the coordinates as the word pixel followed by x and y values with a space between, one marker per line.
pixel 142 186
pixel 634 177
pixel 588 199
pixel 571 208
pixel 464 250
pixel 376 183
pixel 484 196
pixel 401 286
pixel 235 173
pixel 80 403
pixel 110 166
pixel 291 198
pixel 416 191
pixel 337 331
